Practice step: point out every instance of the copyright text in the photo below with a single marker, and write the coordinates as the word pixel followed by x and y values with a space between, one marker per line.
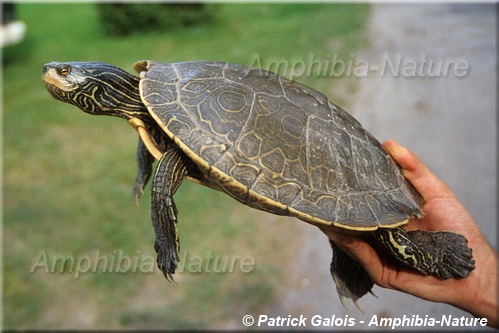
pixel 412 321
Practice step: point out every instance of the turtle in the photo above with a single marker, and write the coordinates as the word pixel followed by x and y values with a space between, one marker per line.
pixel 270 143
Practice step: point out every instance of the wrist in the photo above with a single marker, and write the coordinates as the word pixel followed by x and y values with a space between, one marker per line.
pixel 480 297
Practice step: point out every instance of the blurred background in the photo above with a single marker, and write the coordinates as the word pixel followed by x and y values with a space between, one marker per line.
pixel 68 177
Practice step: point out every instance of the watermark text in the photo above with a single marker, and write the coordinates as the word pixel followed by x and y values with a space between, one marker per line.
pixel 387 65
pixel 120 262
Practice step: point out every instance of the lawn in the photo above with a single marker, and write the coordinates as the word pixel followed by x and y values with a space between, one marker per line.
pixel 76 248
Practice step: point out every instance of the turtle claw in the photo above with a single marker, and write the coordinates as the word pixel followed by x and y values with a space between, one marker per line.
pixel 166 261
pixel 169 277
pixel 358 306
pixel 138 190
pixel 342 300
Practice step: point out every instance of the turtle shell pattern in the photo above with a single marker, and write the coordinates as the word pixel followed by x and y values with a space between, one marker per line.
pixel 277 145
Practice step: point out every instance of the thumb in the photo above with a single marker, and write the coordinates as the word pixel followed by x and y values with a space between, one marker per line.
pixel 423 180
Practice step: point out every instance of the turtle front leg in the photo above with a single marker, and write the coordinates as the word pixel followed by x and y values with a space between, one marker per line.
pixel 144 163
pixel 170 172
pixel 444 254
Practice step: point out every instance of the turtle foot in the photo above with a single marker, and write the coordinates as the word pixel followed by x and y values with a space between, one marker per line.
pixel 447 253
pixel 351 279
pixel 166 260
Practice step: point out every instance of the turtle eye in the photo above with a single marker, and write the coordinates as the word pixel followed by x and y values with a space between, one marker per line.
pixel 63 71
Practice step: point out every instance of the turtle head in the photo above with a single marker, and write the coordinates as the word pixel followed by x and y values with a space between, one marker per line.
pixel 95 87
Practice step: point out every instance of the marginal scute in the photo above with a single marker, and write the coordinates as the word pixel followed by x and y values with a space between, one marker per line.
pixel 277 145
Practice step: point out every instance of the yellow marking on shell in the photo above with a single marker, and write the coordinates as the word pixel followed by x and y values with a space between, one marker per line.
pixel 145 137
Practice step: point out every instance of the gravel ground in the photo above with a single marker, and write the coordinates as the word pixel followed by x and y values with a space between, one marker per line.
pixel 448 119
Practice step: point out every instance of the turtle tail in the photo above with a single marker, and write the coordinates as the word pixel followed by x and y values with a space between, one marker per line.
pixel 351 279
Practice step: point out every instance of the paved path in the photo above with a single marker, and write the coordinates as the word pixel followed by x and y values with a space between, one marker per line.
pixel 449 121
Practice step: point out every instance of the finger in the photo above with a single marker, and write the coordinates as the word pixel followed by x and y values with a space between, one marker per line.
pixel 348 243
pixel 361 251
pixel 423 180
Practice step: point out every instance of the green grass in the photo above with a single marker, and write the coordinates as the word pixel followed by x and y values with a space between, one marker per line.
pixel 68 177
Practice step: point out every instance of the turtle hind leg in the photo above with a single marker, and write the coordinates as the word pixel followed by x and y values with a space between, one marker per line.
pixel 351 279
pixel 444 254
pixel 455 257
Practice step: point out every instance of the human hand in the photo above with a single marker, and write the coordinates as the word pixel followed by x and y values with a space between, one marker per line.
pixel 477 293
